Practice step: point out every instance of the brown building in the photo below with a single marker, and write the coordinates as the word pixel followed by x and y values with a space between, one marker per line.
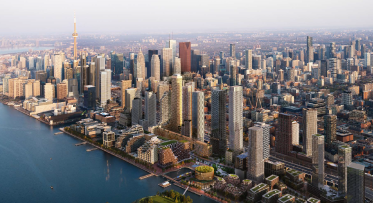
pixel 61 90
pixel 125 85
pixel 284 134
pixel 185 56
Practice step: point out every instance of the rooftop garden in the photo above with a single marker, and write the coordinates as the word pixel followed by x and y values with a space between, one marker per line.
pixel 168 142
pixel 285 198
pixel 204 169
pixel 259 187
pixel 233 175
pixel 294 172
pixel 272 177
pixel 247 180
pixel 313 200
pixel 271 193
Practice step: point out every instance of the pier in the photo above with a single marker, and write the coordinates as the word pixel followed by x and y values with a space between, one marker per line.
pixel 80 143
pixel 57 133
pixel 146 176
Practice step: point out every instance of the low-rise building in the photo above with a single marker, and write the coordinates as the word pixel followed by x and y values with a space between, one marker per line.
pixel 256 193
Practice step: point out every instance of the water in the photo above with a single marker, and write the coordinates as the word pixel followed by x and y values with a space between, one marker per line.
pixel 22 49
pixel 27 172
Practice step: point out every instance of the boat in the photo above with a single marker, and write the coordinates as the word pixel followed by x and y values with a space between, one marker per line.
pixel 165 184
pixel 52 187
pixel 51 158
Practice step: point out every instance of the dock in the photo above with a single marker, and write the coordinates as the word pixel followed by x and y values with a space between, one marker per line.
pixel 80 143
pixel 146 176
pixel 57 133
pixel 165 184
pixel 92 149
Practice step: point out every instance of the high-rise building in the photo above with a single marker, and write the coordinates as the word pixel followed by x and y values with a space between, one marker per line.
pixel 156 67
pixel 255 164
pixel 266 138
pixel 232 50
pixel 75 35
pixel 347 98
pixel 232 73
pixel 185 56
pixel 344 160
pixel 256 62
pixel 58 67
pixel 90 96
pixel 100 66
pixel 216 65
pixel 356 183
pixel 177 66
pixel 249 59
pixel 140 66
pixel 309 123
pixel 198 115
pixel 195 56
pixel 49 91
pixel 164 107
pixel 105 86
pixel 187 110
pixel 125 84
pixel 284 134
pixel 136 114
pixel 176 101
pixel 167 62
pixel 309 57
pixel 218 122
pixel 295 132
pixel 61 90
pixel 130 96
pixel 150 108
pixel 150 55
pixel 235 119
pixel 172 45
pixel 367 59
pixel 318 160
pixel 330 128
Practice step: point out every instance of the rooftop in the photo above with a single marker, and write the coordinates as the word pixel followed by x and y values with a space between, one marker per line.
pixel 259 187
pixel 168 142
pixel 285 198
pixel 272 177
pixel 356 166
pixel 271 193
pixel 313 200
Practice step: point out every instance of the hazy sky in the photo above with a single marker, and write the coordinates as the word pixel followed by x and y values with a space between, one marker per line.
pixel 164 16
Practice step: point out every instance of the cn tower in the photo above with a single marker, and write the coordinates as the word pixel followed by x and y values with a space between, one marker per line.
pixel 75 35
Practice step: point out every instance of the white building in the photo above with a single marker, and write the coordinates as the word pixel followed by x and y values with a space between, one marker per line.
pixel 198 115
pixel 105 86
pixel 235 119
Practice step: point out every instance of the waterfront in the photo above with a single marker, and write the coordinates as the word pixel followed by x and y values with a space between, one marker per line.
pixel 28 172
pixel 22 49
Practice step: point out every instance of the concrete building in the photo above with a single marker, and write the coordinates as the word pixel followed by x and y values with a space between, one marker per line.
pixel 295 132
pixel 105 86
pixel 167 61
pixel 57 67
pixel 136 114
pixel 125 84
pixel 156 67
pixel 356 183
pixel 150 108
pixel 49 91
pixel 330 128
pixel 164 108
pixel 187 111
pixel 108 138
pixel 235 119
pixel 185 56
pixel 61 90
pixel 284 134
pixel 176 101
pixel 318 160
pixel 130 95
pixel 198 115
pixel 309 123
pixel 255 155
pixel 218 122
pixel 266 138
pixel 249 59
pixel 345 156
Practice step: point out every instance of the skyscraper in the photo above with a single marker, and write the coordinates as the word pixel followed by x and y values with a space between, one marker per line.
pixel 284 134
pixel 295 132
pixel 232 72
pixel 90 96
pixel 198 115
pixel 156 67
pixel 136 114
pixel 235 119
pixel 309 50
pixel 218 122
pixel 309 123
pixel 317 160
pixel 150 55
pixel 266 138
pixel 140 66
pixel 330 128
pixel 232 50
pixel 105 86
pixel 75 35
pixel 176 102
pixel 167 61
pixel 345 156
pixel 356 183
pixel 255 164
pixel 177 66
pixel 130 96
pixel 100 66
pixel 164 107
pixel 49 91
pixel 185 56
pixel 172 45
pixel 249 59
pixel 187 110
pixel 125 84
pixel 58 67
pixel 150 108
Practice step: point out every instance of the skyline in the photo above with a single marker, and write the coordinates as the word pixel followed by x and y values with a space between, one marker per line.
pixel 194 16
